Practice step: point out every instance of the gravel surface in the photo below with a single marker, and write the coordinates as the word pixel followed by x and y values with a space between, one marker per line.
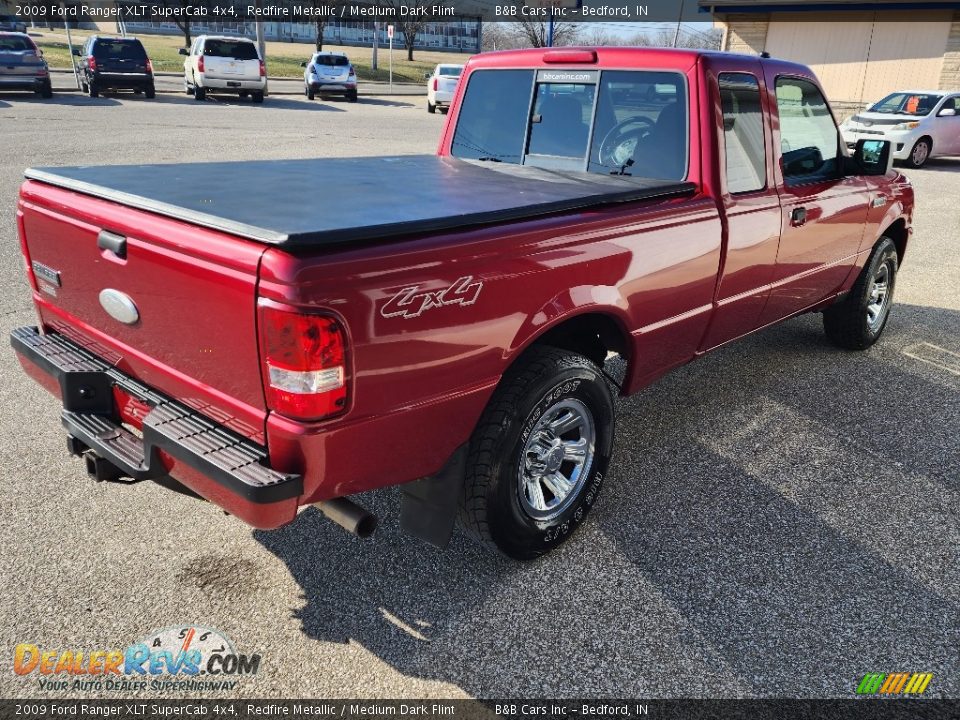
pixel 781 517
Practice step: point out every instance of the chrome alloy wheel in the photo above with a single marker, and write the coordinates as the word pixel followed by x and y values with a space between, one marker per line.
pixel 556 459
pixel 878 300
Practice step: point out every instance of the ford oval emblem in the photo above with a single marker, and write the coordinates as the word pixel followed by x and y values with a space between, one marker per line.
pixel 119 306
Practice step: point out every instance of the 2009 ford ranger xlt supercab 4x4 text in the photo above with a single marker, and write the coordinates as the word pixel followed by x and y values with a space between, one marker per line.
pixel 444 323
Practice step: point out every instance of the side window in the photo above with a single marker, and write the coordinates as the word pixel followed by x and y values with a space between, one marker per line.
pixel 743 132
pixel 950 104
pixel 809 140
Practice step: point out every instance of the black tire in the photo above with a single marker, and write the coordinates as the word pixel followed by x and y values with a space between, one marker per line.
pixel 431 108
pixel 83 87
pixel 187 87
pixel 352 96
pixel 150 93
pixel 849 324
pixel 199 93
pixel 92 90
pixel 258 97
pixel 310 93
pixel 137 91
pixel 46 90
pixel 494 509
pixel 919 153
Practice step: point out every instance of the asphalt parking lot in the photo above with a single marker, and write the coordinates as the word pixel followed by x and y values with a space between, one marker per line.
pixel 781 517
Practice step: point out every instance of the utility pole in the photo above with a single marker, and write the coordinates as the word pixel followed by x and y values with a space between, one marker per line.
pixel 676 35
pixel 73 60
pixel 376 43
pixel 390 35
pixel 260 43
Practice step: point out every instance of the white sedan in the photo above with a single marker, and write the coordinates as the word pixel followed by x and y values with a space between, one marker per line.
pixel 919 124
pixel 441 86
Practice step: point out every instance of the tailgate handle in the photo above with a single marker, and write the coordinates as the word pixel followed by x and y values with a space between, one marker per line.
pixel 117 244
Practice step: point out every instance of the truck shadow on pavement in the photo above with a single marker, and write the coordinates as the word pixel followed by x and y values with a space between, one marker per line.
pixel 780 518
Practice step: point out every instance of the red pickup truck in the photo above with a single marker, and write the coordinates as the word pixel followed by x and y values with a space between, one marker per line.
pixel 443 321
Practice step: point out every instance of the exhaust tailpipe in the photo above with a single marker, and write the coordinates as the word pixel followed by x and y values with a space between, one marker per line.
pixel 348 515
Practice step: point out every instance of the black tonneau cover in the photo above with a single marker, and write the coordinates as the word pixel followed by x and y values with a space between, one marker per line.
pixel 317 202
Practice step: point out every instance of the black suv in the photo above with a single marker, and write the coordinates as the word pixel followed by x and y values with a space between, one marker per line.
pixel 109 63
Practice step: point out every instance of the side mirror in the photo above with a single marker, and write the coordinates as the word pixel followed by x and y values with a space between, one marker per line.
pixel 303 64
pixel 183 51
pixel 427 76
pixel 77 51
pixel 947 112
pixel 872 157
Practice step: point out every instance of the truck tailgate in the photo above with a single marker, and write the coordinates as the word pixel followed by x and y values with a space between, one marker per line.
pixel 193 334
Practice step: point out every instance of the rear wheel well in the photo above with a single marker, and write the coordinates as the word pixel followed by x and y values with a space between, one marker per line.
pixel 898 233
pixel 593 335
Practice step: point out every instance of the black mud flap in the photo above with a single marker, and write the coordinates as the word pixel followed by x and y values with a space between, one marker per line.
pixel 429 507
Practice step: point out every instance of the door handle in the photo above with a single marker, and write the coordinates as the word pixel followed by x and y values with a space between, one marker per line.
pixel 117 244
pixel 798 216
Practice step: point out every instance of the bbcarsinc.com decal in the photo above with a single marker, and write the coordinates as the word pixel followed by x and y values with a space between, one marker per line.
pixel 185 657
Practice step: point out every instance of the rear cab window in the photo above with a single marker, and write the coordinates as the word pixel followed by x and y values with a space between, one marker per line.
pixel 449 71
pixel 610 122
pixel 235 49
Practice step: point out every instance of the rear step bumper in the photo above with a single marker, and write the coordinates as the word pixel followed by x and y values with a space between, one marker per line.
pixel 173 434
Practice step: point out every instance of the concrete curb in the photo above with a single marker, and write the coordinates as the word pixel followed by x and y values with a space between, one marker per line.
pixel 408 86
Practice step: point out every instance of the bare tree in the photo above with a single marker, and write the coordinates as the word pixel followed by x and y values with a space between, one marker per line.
pixel 533 33
pixel 322 21
pixel 181 18
pixel 498 36
pixel 411 24
pixel 598 37
pixel 687 38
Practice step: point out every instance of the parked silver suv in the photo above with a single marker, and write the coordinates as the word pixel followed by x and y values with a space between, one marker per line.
pixel 22 66
pixel 329 73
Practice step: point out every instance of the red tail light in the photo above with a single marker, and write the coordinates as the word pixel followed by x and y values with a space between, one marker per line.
pixel 353 72
pixel 149 66
pixel 263 69
pixel 200 64
pixel 305 366
pixel 92 62
pixel 436 84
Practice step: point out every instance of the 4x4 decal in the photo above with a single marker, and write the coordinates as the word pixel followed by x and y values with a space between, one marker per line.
pixel 411 302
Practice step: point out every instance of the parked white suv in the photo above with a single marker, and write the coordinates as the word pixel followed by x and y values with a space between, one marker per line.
pixel 441 86
pixel 220 64
pixel 919 124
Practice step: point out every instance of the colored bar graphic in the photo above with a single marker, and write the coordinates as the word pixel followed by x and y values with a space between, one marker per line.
pixel 918 683
pixel 894 683
pixel 871 683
